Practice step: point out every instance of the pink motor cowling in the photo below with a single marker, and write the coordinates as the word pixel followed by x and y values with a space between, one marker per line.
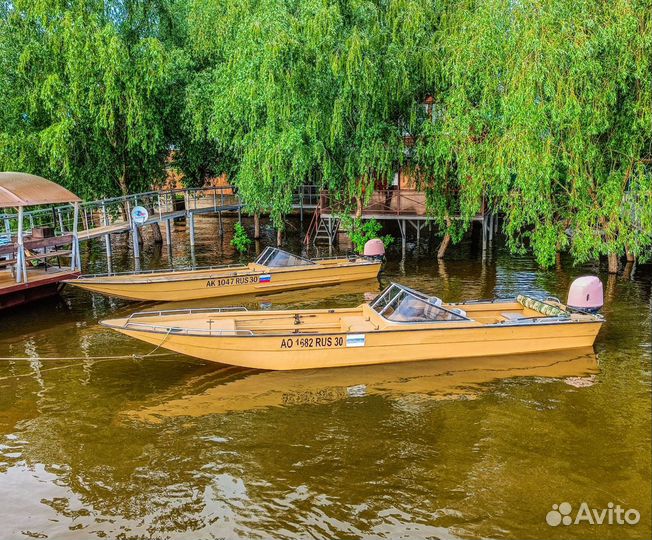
pixel 374 248
pixel 586 293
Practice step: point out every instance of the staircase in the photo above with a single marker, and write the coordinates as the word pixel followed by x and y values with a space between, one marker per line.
pixel 327 230
pixel 322 230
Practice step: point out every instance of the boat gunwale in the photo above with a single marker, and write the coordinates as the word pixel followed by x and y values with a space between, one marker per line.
pixel 166 330
pixel 91 279
pixel 159 271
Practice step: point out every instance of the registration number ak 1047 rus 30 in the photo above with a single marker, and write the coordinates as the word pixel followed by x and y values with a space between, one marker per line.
pixel 228 281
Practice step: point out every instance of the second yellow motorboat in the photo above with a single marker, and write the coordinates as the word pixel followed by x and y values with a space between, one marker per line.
pixel 275 270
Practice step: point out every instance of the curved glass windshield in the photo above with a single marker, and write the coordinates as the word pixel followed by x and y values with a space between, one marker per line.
pixel 400 304
pixel 277 258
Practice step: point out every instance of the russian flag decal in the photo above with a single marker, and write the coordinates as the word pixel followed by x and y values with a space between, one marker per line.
pixel 356 340
pixel 265 278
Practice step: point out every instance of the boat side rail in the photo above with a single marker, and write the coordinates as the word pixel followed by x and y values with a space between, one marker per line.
pixel 348 257
pixel 184 311
pixel 162 271
pixel 505 299
pixel 541 319
pixel 194 331
pixel 499 300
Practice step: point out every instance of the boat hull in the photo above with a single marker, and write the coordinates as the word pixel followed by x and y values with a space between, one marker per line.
pixel 201 284
pixel 291 352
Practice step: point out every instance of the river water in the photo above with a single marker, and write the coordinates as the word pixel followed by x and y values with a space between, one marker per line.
pixel 171 447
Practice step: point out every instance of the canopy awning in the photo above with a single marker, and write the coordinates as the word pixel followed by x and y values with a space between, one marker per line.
pixel 21 189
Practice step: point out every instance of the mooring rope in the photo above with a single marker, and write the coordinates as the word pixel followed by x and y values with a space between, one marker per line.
pixel 67 366
pixel 47 358
pixel 134 356
pixel 117 357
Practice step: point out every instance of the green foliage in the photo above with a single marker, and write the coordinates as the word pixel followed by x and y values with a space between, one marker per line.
pixel 308 89
pixel 361 232
pixel 543 110
pixel 240 240
pixel 540 109
pixel 84 91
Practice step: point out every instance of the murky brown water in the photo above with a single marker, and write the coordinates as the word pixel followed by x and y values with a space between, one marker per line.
pixel 170 447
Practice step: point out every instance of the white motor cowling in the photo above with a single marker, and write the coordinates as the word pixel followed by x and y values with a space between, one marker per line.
pixel 374 248
pixel 586 294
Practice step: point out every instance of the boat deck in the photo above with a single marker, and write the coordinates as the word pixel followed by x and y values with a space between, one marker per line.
pixel 238 321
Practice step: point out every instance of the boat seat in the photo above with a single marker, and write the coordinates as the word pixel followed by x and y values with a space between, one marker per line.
pixel 512 316
pixel 222 324
pixel 356 324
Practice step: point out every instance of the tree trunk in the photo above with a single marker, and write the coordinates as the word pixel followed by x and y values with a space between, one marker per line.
pixel 630 256
pixel 614 264
pixel 627 271
pixel 156 232
pixel 446 240
pixel 156 228
pixel 358 207
pixel 256 226
pixel 443 246
pixel 124 189
pixel 279 237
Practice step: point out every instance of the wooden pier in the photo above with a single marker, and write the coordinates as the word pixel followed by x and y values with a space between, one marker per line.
pixel 406 207
pixel 22 247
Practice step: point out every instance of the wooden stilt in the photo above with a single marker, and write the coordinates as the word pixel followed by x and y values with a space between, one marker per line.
pixel 21 270
pixel 168 239
pixel 134 240
pixel 107 244
pixel 191 218
pixel 168 231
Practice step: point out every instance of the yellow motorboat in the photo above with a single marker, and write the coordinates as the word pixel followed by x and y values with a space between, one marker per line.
pixel 275 270
pixel 400 325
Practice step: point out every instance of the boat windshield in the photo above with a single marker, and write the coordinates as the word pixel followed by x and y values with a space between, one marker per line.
pixel 401 304
pixel 277 258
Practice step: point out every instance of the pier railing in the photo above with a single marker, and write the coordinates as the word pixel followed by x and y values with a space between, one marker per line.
pixel 383 202
pixel 161 204
pixel 117 210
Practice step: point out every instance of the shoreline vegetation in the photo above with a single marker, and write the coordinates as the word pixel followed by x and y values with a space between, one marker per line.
pixel 540 111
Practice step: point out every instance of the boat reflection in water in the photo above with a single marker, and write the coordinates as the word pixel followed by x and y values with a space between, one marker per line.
pixel 231 389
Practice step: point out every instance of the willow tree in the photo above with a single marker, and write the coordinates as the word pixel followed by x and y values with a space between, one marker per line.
pixel 308 89
pixel 83 88
pixel 381 68
pixel 250 95
pixel 545 110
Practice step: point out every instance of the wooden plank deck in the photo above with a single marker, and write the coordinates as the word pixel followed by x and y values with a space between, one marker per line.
pixel 41 283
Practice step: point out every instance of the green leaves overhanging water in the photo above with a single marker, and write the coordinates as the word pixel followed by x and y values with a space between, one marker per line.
pixel 539 110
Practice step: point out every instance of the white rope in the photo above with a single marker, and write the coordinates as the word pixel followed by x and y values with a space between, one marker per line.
pixel 159 345
pixel 150 354
pixel 47 358
pixel 95 358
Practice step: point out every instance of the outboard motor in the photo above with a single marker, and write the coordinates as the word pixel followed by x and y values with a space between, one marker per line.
pixel 586 294
pixel 375 249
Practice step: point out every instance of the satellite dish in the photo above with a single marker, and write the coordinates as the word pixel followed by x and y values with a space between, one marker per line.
pixel 139 215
